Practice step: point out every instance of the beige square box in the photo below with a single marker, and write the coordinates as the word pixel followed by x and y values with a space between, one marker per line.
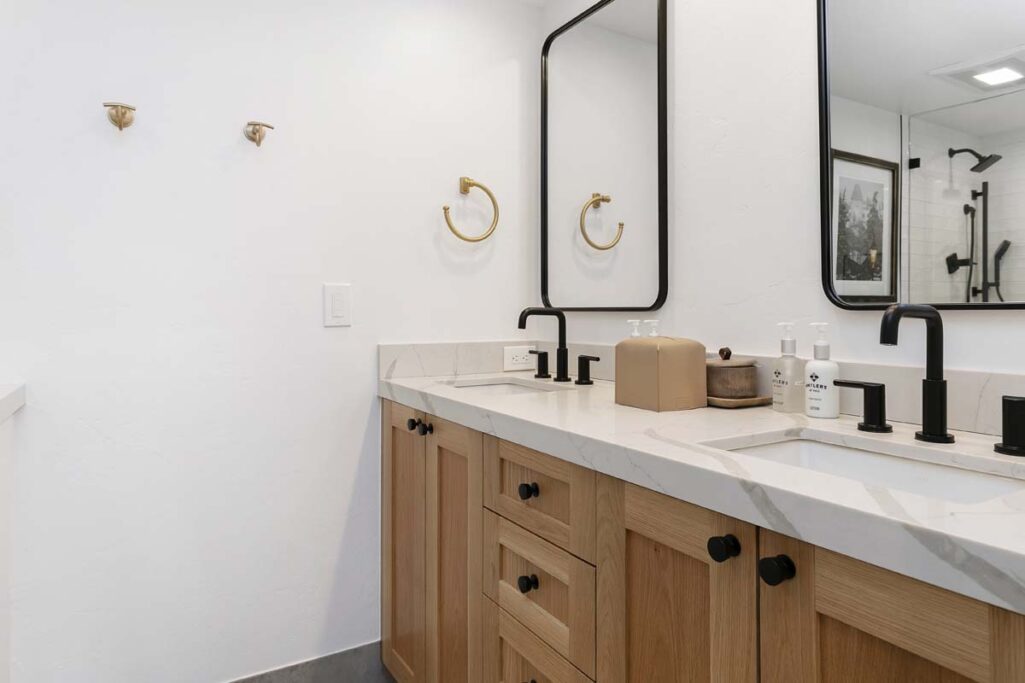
pixel 661 374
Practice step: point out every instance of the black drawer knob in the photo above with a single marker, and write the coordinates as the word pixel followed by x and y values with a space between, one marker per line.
pixel 776 570
pixel 527 583
pixel 423 429
pixel 722 548
pixel 528 491
pixel 412 424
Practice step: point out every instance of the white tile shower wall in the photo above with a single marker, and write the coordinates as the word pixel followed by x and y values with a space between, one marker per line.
pixel 195 490
pixel 939 190
pixel 1007 210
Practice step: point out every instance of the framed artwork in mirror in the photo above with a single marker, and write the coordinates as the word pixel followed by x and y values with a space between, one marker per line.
pixel 865 227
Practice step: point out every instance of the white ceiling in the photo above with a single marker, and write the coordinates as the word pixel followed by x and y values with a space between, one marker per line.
pixel 881 52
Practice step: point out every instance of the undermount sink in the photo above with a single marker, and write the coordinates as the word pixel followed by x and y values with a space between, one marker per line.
pixel 885 471
pixel 509 386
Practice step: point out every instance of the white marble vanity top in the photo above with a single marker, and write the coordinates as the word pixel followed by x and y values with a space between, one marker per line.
pixel 12 398
pixel 972 543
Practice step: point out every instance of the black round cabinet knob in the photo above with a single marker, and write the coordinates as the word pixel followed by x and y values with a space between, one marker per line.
pixel 722 548
pixel 412 424
pixel 528 491
pixel 776 570
pixel 527 583
pixel 423 429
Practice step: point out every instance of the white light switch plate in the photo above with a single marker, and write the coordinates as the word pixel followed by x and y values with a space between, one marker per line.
pixel 518 358
pixel 337 305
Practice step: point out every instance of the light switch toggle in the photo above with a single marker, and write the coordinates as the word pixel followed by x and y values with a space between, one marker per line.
pixel 337 305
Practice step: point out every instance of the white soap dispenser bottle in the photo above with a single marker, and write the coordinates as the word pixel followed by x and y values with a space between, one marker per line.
pixel 788 375
pixel 821 396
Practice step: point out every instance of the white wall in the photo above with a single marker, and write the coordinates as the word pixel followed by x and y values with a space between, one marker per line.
pixel 196 482
pixel 745 207
pixel 6 455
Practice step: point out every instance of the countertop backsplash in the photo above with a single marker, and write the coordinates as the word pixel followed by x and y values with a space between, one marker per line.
pixel 974 397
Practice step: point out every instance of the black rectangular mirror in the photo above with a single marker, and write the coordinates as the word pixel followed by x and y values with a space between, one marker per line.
pixel 922 162
pixel 604 187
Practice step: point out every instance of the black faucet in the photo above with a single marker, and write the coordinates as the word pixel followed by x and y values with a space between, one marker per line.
pixel 562 353
pixel 934 387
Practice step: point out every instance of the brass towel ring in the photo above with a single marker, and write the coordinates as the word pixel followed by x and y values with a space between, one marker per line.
pixel 465 184
pixel 596 200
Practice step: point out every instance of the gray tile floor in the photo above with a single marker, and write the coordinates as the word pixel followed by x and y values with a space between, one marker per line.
pixel 359 665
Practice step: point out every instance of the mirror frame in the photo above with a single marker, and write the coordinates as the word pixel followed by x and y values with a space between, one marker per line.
pixel 663 164
pixel 826 198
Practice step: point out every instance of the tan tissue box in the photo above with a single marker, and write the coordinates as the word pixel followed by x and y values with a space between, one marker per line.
pixel 661 374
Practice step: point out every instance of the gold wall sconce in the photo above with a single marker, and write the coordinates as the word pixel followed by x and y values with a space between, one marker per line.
pixel 121 115
pixel 465 185
pixel 597 199
pixel 256 131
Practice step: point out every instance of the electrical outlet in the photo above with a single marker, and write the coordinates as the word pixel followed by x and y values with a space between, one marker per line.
pixel 518 358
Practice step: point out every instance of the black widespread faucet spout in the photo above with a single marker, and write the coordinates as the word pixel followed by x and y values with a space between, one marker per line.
pixel 934 387
pixel 562 353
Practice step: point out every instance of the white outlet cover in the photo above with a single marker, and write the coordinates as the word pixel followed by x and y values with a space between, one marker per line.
pixel 518 358
pixel 337 305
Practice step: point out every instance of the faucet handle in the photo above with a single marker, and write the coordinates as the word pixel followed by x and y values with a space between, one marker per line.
pixel 1014 427
pixel 542 364
pixel 874 408
pixel 584 369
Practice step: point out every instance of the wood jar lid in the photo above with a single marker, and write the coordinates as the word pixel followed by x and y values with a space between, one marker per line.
pixel 726 360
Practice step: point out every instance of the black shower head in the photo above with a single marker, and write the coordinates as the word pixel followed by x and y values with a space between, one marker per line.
pixel 969 209
pixel 984 161
pixel 1001 250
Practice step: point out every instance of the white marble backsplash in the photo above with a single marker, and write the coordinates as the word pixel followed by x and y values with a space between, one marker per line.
pixel 974 399
pixel 443 359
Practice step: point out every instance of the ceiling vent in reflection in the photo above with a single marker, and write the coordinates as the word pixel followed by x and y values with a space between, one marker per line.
pixel 996 74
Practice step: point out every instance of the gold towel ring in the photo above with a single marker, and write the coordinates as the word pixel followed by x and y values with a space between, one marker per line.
pixel 465 184
pixel 596 200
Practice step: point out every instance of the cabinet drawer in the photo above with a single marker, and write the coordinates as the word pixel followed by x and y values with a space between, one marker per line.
pixel 557 502
pixel 513 654
pixel 556 600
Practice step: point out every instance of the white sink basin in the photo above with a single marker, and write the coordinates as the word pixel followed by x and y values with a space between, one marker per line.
pixel 510 386
pixel 875 469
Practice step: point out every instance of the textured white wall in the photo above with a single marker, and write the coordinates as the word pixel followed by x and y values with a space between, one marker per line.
pixel 745 200
pixel 196 482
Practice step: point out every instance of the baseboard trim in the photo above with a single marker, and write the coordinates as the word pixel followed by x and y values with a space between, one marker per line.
pixel 358 665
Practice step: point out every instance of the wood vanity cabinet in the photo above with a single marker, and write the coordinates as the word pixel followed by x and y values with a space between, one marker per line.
pixel 842 620
pixel 666 611
pixel 503 565
pixel 431 548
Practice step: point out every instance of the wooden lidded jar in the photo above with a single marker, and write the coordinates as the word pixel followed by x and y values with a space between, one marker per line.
pixel 730 377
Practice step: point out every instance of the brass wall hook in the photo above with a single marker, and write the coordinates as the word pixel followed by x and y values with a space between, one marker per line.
pixel 465 184
pixel 597 199
pixel 121 115
pixel 256 131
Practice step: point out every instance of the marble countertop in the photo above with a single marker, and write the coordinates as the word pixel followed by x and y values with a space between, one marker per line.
pixel 12 398
pixel 971 541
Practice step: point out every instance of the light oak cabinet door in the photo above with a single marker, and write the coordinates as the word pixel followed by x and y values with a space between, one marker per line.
pixel 403 537
pixel 667 612
pixel 556 598
pixel 842 620
pixel 512 654
pixel 453 546
pixel 551 497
